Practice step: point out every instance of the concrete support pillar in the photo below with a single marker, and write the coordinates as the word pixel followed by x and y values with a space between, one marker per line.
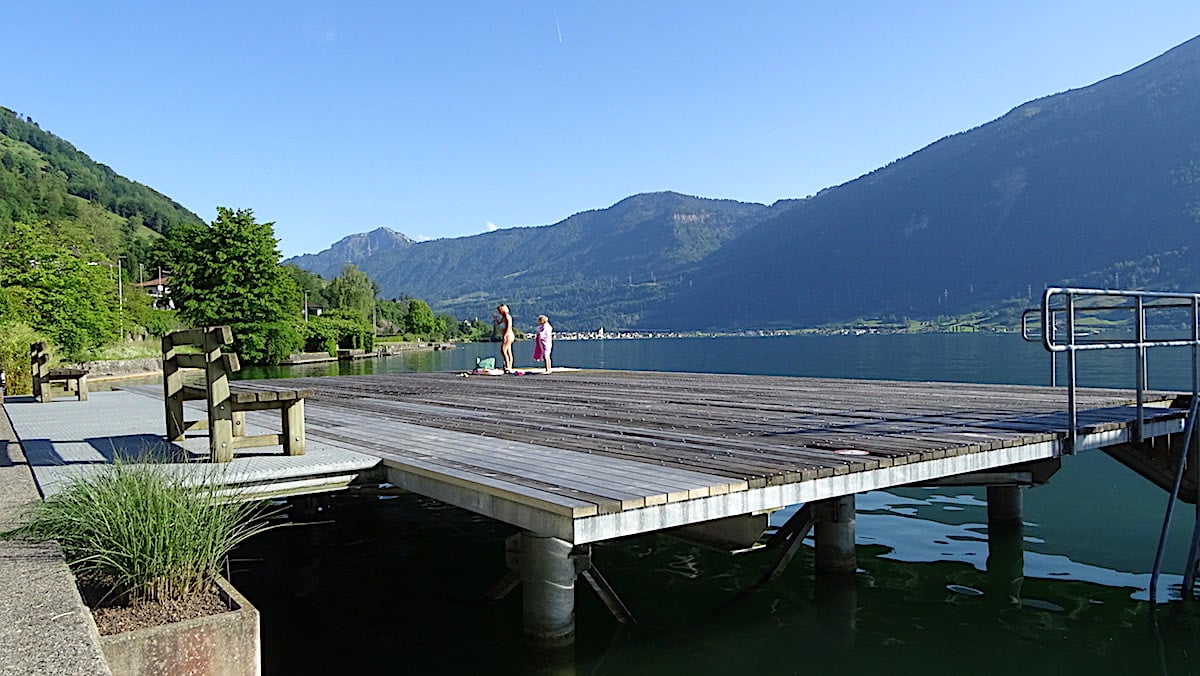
pixel 1005 565
pixel 835 536
pixel 1005 507
pixel 1006 544
pixel 547 592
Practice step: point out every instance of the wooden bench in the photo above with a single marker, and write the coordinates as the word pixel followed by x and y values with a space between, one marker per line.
pixel 73 380
pixel 226 404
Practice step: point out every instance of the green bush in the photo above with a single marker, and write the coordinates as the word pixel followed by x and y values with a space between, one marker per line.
pixel 354 330
pixel 15 339
pixel 266 343
pixel 143 532
pixel 321 335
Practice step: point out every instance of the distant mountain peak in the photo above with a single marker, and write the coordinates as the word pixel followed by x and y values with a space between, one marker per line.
pixel 353 249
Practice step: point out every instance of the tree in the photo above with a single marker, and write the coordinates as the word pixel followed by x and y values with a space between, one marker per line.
pixel 56 290
pixel 229 273
pixel 353 291
pixel 419 318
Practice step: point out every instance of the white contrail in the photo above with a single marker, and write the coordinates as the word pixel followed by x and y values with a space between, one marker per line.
pixel 557 27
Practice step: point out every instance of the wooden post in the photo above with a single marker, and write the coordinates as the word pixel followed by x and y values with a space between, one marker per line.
pixel 39 367
pixel 293 427
pixel 172 390
pixel 220 412
pixel 81 387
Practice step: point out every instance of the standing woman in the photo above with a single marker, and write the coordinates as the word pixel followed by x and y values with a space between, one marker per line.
pixel 544 341
pixel 504 321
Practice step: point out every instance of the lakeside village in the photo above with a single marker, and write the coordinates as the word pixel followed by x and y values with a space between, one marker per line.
pixel 601 334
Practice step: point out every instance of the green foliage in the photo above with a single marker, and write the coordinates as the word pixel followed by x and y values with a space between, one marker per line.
pixel 332 330
pixel 144 531
pixel 353 291
pixel 321 334
pixel 229 273
pixel 130 349
pixel 15 339
pixel 354 330
pixel 56 289
pixel 267 342
pixel 390 315
pixel 156 322
pixel 316 287
pixel 419 318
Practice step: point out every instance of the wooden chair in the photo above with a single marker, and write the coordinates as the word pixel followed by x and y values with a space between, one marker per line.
pixel 73 380
pixel 226 404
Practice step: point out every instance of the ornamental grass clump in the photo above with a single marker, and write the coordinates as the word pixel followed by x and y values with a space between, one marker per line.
pixel 143 532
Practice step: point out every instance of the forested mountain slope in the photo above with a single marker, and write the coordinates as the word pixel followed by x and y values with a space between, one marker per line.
pixel 1078 185
pixel 596 268
pixel 46 181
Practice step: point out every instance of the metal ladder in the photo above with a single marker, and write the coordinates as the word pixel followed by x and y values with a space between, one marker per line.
pixel 1062 306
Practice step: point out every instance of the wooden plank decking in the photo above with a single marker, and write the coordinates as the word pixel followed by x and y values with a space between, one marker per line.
pixel 591 455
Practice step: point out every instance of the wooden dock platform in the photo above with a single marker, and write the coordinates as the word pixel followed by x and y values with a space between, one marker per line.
pixel 586 456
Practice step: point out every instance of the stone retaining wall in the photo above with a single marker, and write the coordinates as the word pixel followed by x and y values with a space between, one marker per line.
pixel 121 367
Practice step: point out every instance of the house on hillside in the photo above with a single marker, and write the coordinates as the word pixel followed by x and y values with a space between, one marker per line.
pixel 159 291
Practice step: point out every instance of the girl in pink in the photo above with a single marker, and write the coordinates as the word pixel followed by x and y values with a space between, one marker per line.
pixel 544 341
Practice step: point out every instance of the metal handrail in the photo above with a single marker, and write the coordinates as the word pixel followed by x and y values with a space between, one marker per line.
pixel 1064 302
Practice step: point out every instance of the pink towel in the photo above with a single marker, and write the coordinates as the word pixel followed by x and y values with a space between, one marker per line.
pixel 543 342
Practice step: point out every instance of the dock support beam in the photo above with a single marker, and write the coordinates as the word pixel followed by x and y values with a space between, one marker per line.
pixel 547 591
pixel 1005 507
pixel 835 536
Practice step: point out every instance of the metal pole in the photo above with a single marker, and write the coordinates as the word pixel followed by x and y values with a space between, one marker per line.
pixel 120 303
pixel 306 306
pixel 1071 370
pixel 1195 344
pixel 1141 367
pixel 1189 431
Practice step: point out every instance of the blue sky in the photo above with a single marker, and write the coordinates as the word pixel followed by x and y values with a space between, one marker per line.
pixel 448 119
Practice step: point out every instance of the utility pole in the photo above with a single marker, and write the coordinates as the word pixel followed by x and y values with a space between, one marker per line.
pixel 306 305
pixel 120 303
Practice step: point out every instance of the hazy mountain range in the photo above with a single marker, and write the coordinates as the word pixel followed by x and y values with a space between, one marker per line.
pixel 1074 187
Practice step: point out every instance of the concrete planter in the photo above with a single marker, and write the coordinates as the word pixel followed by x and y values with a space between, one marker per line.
pixel 225 644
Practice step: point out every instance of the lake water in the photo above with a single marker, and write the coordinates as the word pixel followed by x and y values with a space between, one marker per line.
pixel 397 584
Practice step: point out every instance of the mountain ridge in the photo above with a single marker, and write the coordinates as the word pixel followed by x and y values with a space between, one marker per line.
pixel 570 264
pixel 1059 187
